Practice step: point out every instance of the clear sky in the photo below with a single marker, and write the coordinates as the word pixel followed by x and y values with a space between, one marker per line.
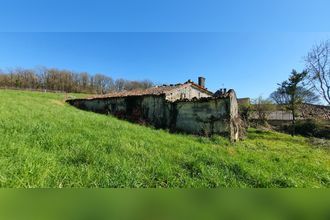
pixel 246 45
pixel 164 15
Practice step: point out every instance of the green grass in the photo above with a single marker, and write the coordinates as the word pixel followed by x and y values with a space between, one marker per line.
pixel 45 142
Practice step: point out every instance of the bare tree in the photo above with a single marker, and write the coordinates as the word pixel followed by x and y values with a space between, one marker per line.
pixel 280 97
pixel 120 85
pixel 146 84
pixel 66 81
pixel 262 107
pixel 84 80
pixel 318 67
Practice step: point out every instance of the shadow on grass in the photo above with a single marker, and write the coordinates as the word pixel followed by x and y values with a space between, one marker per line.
pixel 234 171
pixel 254 134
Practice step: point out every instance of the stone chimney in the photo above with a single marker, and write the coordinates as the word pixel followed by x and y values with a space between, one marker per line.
pixel 201 81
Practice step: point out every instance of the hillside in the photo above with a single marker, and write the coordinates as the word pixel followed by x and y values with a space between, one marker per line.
pixel 44 142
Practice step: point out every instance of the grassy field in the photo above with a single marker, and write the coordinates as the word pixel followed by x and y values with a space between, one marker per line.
pixel 44 142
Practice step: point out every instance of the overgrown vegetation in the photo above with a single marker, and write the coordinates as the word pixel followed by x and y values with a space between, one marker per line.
pixel 47 143
pixel 310 128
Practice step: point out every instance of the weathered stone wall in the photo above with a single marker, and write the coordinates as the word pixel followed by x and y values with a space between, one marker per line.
pixel 143 109
pixel 309 111
pixel 304 111
pixel 204 116
pixel 236 127
pixel 187 92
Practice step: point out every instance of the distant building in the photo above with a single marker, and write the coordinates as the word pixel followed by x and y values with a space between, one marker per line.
pixel 187 107
pixel 244 101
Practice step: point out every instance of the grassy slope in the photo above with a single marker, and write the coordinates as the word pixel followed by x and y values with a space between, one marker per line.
pixel 47 143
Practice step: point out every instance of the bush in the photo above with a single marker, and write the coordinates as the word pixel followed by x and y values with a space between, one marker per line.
pixel 310 128
pixel 307 128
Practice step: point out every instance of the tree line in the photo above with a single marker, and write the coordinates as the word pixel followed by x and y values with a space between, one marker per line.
pixel 67 81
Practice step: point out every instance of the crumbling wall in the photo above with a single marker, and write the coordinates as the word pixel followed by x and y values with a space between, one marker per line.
pixel 187 92
pixel 237 128
pixel 309 111
pixel 151 109
pixel 304 112
pixel 205 116
pixel 156 111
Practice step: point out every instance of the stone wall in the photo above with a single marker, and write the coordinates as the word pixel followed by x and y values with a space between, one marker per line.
pixel 187 92
pixel 309 111
pixel 205 116
pixel 304 112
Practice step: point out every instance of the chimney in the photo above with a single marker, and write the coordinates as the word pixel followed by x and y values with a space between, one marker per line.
pixel 201 81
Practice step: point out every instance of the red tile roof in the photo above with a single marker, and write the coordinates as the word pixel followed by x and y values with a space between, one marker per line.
pixel 157 90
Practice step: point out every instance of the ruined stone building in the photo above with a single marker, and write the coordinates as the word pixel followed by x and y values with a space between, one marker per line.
pixel 187 107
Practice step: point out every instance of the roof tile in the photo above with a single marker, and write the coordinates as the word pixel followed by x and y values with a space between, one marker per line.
pixel 157 90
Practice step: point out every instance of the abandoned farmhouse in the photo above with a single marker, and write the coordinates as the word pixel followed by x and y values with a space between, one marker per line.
pixel 188 107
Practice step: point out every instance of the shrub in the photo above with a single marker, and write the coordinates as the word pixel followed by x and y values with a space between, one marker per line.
pixel 310 128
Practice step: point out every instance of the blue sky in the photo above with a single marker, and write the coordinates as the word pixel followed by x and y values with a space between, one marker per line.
pixel 246 45
pixel 164 15
pixel 251 63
